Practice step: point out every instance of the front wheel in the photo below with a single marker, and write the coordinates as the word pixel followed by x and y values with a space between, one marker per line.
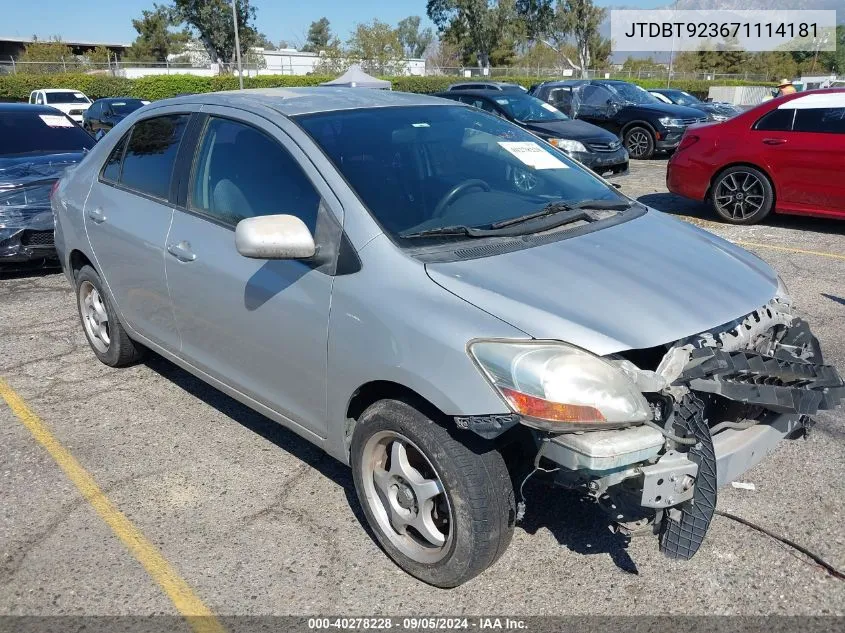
pixel 443 510
pixel 742 195
pixel 639 142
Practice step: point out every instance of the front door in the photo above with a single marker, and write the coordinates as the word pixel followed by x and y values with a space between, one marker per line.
pixel 127 217
pixel 260 326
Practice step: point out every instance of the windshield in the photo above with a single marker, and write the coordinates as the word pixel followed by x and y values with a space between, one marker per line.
pixel 40 133
pixel 427 167
pixel 631 93
pixel 523 107
pixel 66 97
pixel 682 98
pixel 125 107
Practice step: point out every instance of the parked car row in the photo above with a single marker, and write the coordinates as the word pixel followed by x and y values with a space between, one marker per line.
pixel 364 268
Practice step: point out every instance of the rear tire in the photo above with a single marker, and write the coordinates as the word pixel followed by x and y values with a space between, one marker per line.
pixel 742 195
pixel 105 334
pixel 639 141
pixel 399 458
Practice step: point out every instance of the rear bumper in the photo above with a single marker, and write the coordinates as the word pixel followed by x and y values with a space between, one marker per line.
pixel 687 178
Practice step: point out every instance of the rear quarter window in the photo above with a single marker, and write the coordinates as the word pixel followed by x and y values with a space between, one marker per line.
pixel 778 120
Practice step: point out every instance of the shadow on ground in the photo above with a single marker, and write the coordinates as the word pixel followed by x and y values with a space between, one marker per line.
pixel 676 205
pixel 578 525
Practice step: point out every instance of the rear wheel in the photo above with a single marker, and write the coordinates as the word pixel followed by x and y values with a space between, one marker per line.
pixel 639 142
pixel 443 510
pixel 104 332
pixel 742 195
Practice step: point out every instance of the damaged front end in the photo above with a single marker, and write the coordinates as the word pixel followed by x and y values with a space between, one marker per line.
pixel 719 402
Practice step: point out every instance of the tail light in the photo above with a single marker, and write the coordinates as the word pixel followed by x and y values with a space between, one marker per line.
pixel 53 189
pixel 688 140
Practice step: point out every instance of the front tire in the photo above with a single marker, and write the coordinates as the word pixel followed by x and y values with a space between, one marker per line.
pixel 442 509
pixel 105 334
pixel 742 195
pixel 639 142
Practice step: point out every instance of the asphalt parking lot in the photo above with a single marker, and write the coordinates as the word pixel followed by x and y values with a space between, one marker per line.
pixel 257 521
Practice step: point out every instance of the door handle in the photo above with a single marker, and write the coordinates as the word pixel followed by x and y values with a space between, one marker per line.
pixel 774 141
pixel 97 215
pixel 182 251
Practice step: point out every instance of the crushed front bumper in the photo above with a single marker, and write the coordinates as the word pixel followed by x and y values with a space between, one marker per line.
pixel 723 401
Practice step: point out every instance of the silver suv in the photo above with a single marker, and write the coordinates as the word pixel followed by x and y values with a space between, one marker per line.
pixel 443 301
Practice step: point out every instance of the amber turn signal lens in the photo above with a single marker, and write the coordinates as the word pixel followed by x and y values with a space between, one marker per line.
pixel 535 407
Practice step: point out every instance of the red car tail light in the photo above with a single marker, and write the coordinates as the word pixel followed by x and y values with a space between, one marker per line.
pixel 687 141
pixel 53 189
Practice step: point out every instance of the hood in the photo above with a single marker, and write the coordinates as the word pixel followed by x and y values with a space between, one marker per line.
pixel 642 283
pixel 668 109
pixel 573 130
pixel 21 170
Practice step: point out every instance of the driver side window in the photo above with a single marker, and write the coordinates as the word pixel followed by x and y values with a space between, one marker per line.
pixel 241 172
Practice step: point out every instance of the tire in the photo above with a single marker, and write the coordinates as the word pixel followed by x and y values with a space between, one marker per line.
pixel 473 513
pixel 106 336
pixel 750 203
pixel 639 141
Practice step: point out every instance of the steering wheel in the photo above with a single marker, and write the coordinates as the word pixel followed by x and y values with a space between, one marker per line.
pixel 456 192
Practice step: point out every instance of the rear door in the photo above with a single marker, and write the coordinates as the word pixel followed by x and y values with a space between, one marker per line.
pixel 259 326
pixel 803 148
pixel 127 217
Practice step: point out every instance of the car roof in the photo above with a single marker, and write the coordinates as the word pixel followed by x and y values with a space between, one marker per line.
pixel 826 98
pixel 296 101
pixel 29 107
pixel 500 84
pixel 58 90
pixel 110 99
pixel 484 94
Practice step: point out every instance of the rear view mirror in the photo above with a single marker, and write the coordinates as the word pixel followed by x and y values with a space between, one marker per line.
pixel 274 237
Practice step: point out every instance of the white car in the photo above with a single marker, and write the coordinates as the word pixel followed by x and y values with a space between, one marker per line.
pixel 72 102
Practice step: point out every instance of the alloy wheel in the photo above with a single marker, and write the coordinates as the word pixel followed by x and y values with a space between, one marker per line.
pixel 638 143
pixel 739 195
pixel 407 497
pixel 95 316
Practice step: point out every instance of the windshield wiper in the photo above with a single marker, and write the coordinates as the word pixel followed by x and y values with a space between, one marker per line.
pixel 457 229
pixel 576 210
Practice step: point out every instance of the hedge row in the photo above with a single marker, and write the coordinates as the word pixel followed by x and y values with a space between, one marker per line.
pixel 17 87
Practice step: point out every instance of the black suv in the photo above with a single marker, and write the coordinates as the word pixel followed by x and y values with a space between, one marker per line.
pixel 644 123
pixel 592 146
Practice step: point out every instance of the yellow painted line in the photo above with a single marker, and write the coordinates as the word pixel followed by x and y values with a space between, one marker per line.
pixel 187 603
pixel 789 249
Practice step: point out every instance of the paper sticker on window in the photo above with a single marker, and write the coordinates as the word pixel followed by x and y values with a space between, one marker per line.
pixel 550 108
pixel 78 95
pixel 55 120
pixel 533 155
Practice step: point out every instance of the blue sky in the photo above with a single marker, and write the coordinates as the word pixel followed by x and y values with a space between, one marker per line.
pixel 280 19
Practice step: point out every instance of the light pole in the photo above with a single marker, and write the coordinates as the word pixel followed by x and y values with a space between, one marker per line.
pixel 672 54
pixel 237 46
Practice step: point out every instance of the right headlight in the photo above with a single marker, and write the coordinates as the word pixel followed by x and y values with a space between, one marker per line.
pixel 558 387
pixel 567 145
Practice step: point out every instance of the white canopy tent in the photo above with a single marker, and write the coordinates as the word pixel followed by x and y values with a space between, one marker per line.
pixel 354 77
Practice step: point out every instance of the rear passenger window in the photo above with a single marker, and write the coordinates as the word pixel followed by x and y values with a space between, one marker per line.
pixel 824 120
pixel 151 153
pixel 111 170
pixel 241 172
pixel 778 120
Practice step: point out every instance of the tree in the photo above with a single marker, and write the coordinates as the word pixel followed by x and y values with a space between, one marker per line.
pixel 442 55
pixel 377 47
pixel 414 40
pixel 262 41
pixel 155 39
pixel 581 19
pixel 213 21
pixel 478 27
pixel 51 56
pixel 536 15
pixel 319 36
pixel 834 61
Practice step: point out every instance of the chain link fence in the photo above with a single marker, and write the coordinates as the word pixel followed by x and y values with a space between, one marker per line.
pixel 276 64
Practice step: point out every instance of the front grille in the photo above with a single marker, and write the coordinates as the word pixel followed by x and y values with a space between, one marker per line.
pixel 37 238
pixel 602 146
pixel 692 121
pixel 76 112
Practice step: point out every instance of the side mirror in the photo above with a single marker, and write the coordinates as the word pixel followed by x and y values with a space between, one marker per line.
pixel 274 237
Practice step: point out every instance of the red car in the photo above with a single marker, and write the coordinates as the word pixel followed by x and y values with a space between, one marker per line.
pixel 786 155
